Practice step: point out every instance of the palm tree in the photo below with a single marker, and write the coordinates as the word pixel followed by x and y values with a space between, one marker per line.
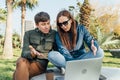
pixel 85 12
pixel 25 4
pixel 7 51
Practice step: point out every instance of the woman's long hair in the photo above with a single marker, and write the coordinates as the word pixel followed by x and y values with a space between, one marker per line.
pixel 66 36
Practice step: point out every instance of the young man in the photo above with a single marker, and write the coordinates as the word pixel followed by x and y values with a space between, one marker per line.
pixel 36 45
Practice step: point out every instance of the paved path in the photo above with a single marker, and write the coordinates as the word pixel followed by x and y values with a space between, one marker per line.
pixel 111 73
pixel 108 72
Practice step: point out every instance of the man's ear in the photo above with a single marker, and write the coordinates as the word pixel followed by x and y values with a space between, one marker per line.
pixel 36 25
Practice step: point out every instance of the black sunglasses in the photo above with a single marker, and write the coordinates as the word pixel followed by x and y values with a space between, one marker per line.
pixel 63 23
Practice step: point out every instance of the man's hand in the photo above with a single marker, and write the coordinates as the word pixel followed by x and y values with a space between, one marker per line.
pixel 34 52
pixel 94 49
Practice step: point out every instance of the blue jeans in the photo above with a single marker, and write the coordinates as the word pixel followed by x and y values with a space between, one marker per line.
pixel 59 60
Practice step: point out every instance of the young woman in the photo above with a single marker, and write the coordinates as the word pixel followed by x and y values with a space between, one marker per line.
pixel 71 39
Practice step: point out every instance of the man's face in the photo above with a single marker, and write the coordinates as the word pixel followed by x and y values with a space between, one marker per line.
pixel 44 26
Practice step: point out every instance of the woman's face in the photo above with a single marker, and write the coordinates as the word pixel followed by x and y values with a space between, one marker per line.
pixel 64 23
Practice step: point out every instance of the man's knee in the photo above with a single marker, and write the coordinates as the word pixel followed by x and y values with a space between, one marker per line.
pixel 22 68
pixel 22 62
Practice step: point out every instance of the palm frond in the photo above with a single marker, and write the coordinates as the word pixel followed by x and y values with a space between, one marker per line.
pixel 31 4
pixel 106 39
pixel 111 42
pixel 3 14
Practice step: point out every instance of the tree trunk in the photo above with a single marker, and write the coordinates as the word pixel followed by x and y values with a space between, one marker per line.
pixel 8 50
pixel 23 12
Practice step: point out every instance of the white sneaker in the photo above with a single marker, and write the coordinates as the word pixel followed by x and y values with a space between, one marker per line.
pixel 62 70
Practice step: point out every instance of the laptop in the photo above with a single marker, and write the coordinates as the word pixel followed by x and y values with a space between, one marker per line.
pixel 86 69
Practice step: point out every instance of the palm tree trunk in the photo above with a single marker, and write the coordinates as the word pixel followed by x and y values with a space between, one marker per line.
pixel 8 50
pixel 23 12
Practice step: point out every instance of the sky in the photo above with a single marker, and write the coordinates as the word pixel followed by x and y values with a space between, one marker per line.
pixel 50 6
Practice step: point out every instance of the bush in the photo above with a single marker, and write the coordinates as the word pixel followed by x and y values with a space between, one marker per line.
pixel 115 52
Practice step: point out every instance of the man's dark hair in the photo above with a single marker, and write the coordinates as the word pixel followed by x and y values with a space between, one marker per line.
pixel 41 17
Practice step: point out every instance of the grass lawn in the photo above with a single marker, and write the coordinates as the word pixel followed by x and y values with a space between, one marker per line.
pixel 7 66
pixel 111 61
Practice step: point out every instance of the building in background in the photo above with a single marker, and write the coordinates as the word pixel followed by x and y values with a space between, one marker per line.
pixel 29 25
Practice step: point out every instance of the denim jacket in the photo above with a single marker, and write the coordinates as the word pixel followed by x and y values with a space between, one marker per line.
pixel 83 37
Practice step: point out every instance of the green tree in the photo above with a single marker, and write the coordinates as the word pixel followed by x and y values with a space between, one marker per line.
pixel 85 11
pixel 23 4
pixel 8 51
pixel 3 14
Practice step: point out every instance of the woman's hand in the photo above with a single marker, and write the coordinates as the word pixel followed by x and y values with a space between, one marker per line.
pixel 93 47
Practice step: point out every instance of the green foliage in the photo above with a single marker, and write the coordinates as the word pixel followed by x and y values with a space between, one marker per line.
pixel 3 14
pixel 106 40
pixel 1 41
pixel 94 24
pixel 100 29
pixel 110 61
pixel 29 3
pixel 16 43
pixel 16 40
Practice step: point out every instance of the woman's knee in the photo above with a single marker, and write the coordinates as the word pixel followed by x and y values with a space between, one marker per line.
pixel 53 54
pixel 56 58
pixel 100 52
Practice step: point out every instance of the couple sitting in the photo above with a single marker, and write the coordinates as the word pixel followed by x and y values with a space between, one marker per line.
pixel 39 45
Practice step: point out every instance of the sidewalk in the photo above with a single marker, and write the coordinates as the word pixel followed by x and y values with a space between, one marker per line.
pixel 109 72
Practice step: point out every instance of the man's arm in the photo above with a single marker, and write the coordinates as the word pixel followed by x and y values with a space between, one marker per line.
pixel 26 50
pixel 35 53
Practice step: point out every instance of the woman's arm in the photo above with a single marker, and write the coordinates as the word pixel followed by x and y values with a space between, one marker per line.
pixel 88 38
pixel 62 49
